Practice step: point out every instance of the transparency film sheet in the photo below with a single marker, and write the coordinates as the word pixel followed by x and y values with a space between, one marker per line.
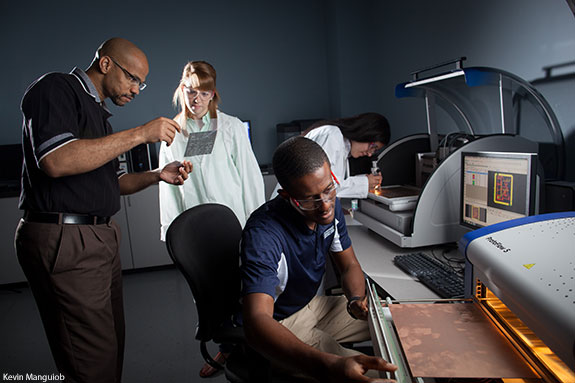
pixel 200 143
pixel 455 341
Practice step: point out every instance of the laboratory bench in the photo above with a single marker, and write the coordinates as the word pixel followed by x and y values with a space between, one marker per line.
pixel 375 255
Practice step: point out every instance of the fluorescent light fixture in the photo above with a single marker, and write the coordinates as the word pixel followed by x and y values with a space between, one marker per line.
pixel 437 78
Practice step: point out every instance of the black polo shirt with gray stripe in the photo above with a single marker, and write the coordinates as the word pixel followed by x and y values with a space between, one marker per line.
pixel 59 108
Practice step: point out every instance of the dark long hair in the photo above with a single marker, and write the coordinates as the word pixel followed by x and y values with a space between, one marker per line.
pixel 365 127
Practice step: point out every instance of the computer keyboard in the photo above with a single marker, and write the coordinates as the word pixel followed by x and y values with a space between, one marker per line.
pixel 438 277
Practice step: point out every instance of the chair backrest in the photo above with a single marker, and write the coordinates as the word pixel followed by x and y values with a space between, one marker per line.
pixel 204 243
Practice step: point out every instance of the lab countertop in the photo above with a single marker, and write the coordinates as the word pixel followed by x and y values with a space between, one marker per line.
pixel 375 254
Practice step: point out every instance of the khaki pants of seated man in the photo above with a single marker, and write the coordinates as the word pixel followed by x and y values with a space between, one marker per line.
pixel 324 323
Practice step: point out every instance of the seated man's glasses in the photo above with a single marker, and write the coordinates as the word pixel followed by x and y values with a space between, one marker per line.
pixel 327 196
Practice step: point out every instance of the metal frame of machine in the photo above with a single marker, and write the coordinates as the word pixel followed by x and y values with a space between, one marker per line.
pixel 486 109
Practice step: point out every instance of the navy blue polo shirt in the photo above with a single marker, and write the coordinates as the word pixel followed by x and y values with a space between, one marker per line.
pixel 59 108
pixel 282 257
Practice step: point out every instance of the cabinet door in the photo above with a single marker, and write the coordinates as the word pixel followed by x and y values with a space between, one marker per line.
pixel 143 213
pixel 10 271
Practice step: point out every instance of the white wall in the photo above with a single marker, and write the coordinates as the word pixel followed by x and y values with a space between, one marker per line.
pixel 270 56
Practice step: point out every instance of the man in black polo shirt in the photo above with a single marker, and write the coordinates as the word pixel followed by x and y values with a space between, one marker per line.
pixel 71 186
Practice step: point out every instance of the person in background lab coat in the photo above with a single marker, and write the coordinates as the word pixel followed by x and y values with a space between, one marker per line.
pixel 228 174
pixel 357 136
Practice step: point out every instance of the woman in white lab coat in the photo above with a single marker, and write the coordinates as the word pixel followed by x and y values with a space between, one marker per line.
pixel 225 169
pixel 357 136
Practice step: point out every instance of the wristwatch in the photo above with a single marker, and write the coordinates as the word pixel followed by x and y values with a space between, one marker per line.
pixel 350 301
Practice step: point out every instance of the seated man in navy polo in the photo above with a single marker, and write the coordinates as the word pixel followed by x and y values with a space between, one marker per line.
pixel 284 248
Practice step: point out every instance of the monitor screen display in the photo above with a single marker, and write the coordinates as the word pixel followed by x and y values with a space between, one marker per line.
pixel 247 124
pixel 497 187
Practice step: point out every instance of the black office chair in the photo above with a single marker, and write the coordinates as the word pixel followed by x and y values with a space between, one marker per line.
pixel 204 243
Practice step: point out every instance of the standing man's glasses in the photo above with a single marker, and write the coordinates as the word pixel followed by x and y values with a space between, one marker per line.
pixel 141 85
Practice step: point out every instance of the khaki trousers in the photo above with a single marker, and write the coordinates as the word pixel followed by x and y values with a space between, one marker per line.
pixel 324 323
pixel 75 275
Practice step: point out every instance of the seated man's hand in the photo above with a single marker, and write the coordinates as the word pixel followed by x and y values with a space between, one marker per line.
pixel 358 308
pixel 176 172
pixel 352 369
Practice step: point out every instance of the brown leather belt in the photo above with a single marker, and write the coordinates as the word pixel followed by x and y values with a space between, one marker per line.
pixel 66 219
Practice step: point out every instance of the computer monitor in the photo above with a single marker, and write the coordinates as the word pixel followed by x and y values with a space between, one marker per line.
pixel 497 187
pixel 248 125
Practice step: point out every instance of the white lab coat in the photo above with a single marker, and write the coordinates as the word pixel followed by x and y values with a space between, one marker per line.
pixel 338 148
pixel 230 175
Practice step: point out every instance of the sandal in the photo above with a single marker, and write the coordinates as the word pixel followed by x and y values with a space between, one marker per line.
pixel 208 370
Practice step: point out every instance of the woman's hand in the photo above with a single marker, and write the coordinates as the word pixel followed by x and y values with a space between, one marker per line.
pixel 374 180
